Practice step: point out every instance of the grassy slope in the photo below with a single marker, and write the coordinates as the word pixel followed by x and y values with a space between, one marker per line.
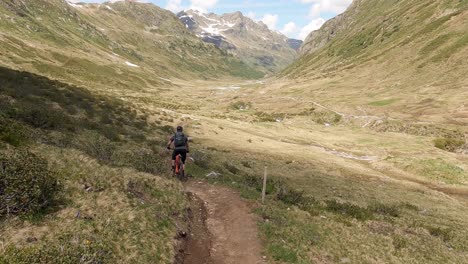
pixel 397 58
pixel 117 206
pixel 406 205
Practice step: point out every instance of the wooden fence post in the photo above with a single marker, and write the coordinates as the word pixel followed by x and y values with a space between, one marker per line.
pixel 264 185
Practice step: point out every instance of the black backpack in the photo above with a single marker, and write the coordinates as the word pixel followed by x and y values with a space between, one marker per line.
pixel 179 140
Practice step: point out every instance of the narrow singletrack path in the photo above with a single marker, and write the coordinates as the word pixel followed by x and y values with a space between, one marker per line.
pixel 233 234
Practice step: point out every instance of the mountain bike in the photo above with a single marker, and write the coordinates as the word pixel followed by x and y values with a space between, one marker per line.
pixel 179 168
pixel 179 171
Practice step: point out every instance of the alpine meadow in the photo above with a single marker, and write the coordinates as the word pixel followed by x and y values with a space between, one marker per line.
pixel 347 147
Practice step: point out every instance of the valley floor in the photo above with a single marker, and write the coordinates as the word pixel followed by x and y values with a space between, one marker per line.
pixel 377 197
pixel 339 191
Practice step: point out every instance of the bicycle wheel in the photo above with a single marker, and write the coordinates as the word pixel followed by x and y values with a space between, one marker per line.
pixel 182 172
pixel 179 168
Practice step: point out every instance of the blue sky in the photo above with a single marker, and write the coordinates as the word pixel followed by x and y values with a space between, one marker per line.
pixel 294 18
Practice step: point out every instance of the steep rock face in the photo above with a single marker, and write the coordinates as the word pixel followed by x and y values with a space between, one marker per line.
pixel 251 41
pixel 295 44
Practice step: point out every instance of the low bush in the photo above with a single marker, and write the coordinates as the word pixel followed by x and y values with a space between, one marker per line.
pixel 349 209
pixel 231 168
pixel 13 133
pixel 449 144
pixel 141 159
pixel 86 250
pixel 444 233
pixel 251 181
pixel 383 209
pixel 240 105
pixel 96 146
pixel 201 159
pixel 247 164
pixel 45 117
pixel 26 183
pixel 291 196
pixel 269 117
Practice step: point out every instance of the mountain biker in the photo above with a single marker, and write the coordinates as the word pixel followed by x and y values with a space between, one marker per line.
pixel 181 146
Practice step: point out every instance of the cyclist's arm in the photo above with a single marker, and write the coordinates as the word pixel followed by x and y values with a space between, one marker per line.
pixel 170 142
pixel 186 144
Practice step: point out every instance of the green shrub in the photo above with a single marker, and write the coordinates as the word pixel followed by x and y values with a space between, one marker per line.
pixel 201 159
pixel 448 144
pixel 141 159
pixel 383 209
pixel 26 183
pixel 231 168
pixel 291 196
pixel 281 253
pixel 43 117
pixel 247 164
pixel 240 105
pixel 269 117
pixel 399 242
pixel 13 133
pixel 349 209
pixel 255 182
pixel 444 233
pixel 67 251
pixel 96 146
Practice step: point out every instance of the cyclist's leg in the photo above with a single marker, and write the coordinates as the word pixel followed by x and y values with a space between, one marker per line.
pixel 183 154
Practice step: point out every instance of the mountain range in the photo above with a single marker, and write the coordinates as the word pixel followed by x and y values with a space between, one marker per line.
pixel 121 44
pixel 243 37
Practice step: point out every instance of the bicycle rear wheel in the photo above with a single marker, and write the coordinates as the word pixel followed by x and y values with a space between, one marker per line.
pixel 179 168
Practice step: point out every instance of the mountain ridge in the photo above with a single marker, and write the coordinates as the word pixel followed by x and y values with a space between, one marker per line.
pixel 251 41
pixel 120 39
pixel 405 53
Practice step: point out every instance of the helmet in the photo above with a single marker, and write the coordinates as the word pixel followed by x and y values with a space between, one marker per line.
pixel 180 129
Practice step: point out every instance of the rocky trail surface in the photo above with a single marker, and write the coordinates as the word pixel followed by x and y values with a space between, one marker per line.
pixel 223 231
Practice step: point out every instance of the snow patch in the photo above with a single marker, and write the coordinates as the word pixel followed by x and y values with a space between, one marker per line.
pixel 212 29
pixel 74 5
pixel 232 87
pixel 348 155
pixel 131 64
pixel 164 79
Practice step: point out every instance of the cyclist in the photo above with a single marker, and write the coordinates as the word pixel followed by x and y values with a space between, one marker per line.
pixel 181 146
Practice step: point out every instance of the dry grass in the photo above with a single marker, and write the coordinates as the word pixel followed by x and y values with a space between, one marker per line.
pixel 324 163
pixel 112 215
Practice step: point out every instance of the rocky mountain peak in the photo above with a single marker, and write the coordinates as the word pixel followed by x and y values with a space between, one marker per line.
pixel 250 40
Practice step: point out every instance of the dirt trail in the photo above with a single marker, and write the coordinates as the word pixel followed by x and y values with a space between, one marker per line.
pixel 224 229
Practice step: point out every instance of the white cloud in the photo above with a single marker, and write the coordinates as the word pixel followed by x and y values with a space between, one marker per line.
pixel 313 25
pixel 319 9
pixel 289 29
pixel 174 5
pixel 252 15
pixel 322 6
pixel 203 5
pixel 270 20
